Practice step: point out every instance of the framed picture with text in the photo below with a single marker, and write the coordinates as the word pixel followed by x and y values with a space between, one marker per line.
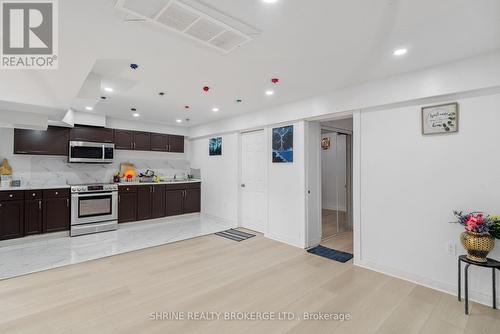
pixel 440 119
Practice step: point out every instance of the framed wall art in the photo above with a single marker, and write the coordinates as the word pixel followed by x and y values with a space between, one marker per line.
pixel 440 119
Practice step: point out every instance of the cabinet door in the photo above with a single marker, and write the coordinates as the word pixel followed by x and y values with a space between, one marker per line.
pixel 174 200
pixel 124 139
pixel 11 219
pixel 142 141
pixel 127 207
pixel 53 141
pixel 144 198
pixel 192 200
pixel 158 203
pixel 33 216
pixel 175 144
pixel 55 214
pixel 91 133
pixel 159 142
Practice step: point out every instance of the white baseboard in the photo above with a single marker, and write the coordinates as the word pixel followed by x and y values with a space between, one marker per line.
pixel 289 241
pixel 445 287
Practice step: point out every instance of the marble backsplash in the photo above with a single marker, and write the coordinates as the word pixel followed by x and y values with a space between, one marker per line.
pixel 50 171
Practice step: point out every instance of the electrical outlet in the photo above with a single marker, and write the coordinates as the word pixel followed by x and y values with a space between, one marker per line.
pixel 451 248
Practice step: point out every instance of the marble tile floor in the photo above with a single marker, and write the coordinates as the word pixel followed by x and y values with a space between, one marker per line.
pixel 37 254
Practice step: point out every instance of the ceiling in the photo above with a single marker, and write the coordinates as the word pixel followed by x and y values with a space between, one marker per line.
pixel 312 46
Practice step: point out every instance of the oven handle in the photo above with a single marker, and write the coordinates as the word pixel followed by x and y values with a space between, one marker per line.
pixel 112 193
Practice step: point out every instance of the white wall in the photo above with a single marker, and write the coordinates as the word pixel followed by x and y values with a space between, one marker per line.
pixel 219 191
pixel 285 189
pixel 411 183
pixel 334 173
pixel 286 193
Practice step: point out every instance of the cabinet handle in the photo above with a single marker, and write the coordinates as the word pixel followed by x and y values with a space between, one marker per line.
pixel 134 145
pixel 33 195
pixel 57 193
pixel 11 195
pixel 119 197
pixel 39 205
pixel 67 202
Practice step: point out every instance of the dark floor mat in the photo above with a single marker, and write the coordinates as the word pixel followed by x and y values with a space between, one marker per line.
pixel 331 254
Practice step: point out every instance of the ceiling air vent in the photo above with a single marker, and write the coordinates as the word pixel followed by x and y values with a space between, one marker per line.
pixel 216 30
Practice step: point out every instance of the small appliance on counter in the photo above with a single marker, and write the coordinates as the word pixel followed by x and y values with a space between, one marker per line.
pixel 94 208
pixel 148 176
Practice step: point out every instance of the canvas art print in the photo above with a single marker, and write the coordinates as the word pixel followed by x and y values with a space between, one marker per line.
pixel 326 143
pixel 283 144
pixel 440 119
pixel 215 146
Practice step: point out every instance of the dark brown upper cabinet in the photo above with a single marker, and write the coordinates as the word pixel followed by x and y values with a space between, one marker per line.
pixel 91 133
pixel 124 139
pixel 175 144
pixel 53 141
pixel 142 141
pixel 159 142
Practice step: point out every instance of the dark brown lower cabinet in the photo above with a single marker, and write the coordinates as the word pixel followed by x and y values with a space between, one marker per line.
pixel 11 219
pixel 155 201
pixel 127 207
pixel 144 199
pixel 192 200
pixel 33 216
pixel 158 201
pixel 174 201
pixel 55 214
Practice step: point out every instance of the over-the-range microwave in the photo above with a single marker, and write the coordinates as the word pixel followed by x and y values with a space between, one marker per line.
pixel 89 152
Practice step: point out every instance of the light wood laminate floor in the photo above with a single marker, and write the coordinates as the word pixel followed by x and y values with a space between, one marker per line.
pixel 212 274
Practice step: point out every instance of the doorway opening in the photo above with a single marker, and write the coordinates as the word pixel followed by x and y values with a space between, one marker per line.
pixel 336 184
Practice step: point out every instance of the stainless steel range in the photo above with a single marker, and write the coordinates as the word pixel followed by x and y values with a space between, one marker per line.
pixel 94 208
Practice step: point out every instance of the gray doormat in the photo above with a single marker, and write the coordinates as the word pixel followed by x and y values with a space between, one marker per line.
pixel 235 235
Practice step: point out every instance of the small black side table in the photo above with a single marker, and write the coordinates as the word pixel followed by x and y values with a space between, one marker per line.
pixel 490 263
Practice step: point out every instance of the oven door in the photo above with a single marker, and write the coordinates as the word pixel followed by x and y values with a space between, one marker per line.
pixel 94 207
pixel 80 151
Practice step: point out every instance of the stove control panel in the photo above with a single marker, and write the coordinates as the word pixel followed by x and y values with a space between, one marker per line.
pixel 94 188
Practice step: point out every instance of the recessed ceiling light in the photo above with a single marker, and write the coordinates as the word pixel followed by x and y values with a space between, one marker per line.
pixel 89 108
pixel 269 1
pixel 400 52
pixel 108 89
pixel 136 115
pixel 215 109
pixel 161 93
pixel 133 109
pixel 178 120
pixel 269 92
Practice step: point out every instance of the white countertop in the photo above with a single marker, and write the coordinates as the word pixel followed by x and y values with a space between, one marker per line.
pixel 60 186
pixel 137 183
pixel 34 187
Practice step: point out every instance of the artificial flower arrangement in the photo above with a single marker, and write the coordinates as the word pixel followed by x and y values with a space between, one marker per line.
pixel 480 233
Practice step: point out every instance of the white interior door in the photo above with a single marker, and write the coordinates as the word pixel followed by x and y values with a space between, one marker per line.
pixel 253 181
